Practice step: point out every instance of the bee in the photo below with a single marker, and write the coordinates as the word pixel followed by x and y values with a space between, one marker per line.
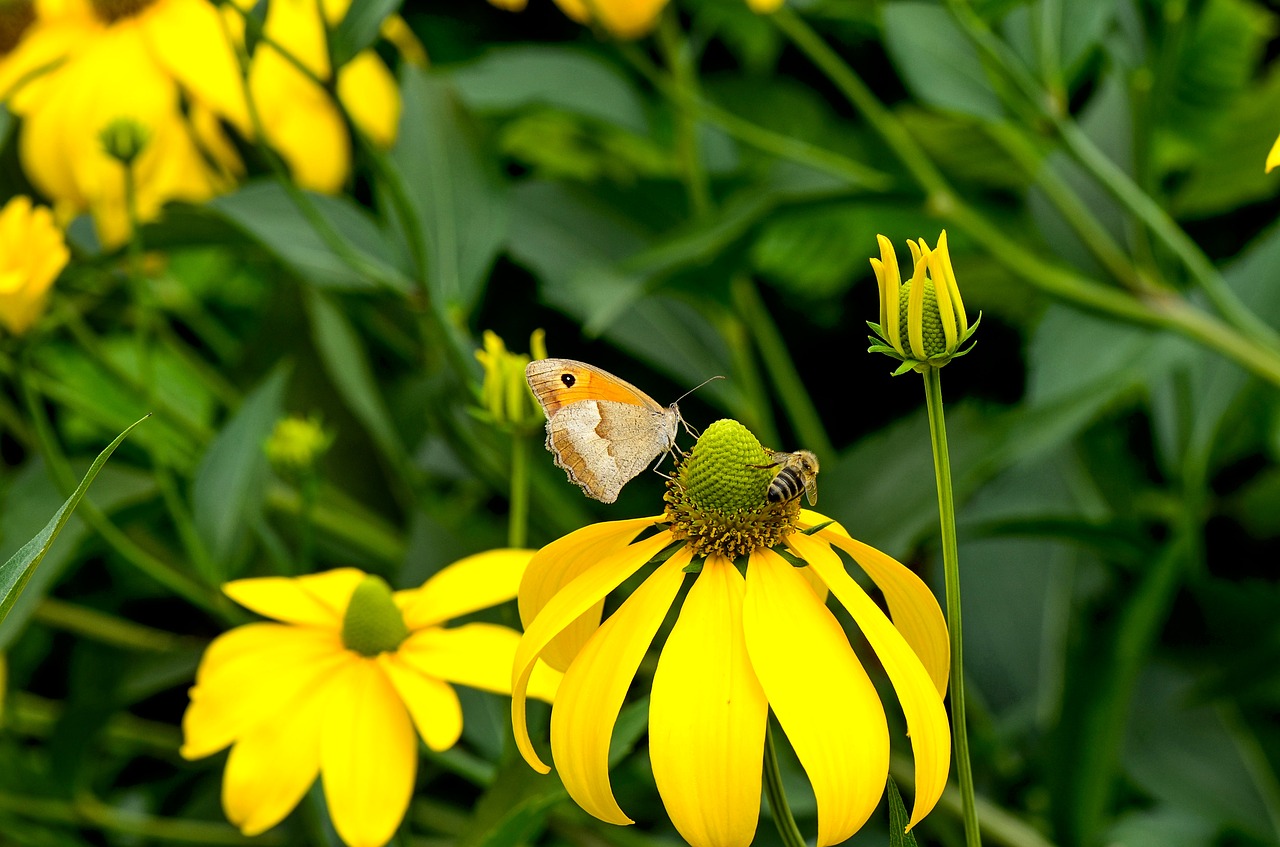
pixel 799 472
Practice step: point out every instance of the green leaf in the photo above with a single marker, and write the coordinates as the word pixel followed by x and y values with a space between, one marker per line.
pixel 227 491
pixel 346 360
pixel 359 28
pixel 15 573
pixel 460 200
pixel 936 60
pixel 572 80
pixel 266 213
pixel 898 819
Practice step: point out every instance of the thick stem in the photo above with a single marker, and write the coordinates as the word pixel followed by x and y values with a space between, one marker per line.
pixel 951 569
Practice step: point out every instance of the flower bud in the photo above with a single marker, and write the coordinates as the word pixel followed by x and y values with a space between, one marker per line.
pixel 505 398
pixel 124 139
pixel 296 444
pixel 922 321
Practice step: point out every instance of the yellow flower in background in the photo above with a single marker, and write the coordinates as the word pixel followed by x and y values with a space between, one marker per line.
pixel 337 687
pixel 922 321
pixel 81 67
pixel 622 18
pixel 299 118
pixel 33 252
pixel 1273 158
pixel 506 399
pixel 740 647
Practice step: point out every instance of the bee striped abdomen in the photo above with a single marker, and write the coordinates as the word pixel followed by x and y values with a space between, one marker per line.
pixel 787 485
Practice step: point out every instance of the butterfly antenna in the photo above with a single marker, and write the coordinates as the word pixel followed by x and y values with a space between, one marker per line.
pixel 676 405
pixel 699 385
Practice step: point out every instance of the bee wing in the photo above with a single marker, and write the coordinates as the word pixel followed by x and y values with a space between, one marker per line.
pixel 811 489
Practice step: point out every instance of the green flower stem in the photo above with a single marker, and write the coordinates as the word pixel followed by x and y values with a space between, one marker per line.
pixel 308 496
pixel 518 518
pixel 773 790
pixel 752 134
pixel 109 629
pixel 1164 312
pixel 1116 181
pixel 88 811
pixel 951 569
pixel 757 409
pixel 676 52
pixel 32 716
pixel 795 399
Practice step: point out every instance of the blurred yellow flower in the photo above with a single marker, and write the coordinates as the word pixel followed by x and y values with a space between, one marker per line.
pixel 740 647
pixel 506 399
pixel 32 254
pixel 622 18
pixel 338 686
pixel 296 444
pixel 1273 158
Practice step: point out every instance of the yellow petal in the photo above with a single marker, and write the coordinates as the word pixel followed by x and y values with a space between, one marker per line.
pixel 478 655
pixel 432 704
pixel 707 716
pixel 271 768
pixel 313 600
pixel 921 702
pixel 763 7
pixel 1273 158
pixel 468 585
pixel 301 122
pixel 368 755
pixel 559 563
pixel 629 19
pixel 590 588
pixel 942 292
pixel 595 685
pixel 369 94
pixel 187 38
pixel 915 302
pixel 912 606
pixel 249 675
pixel 823 698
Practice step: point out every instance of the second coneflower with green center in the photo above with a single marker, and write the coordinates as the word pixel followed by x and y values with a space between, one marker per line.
pixel 753 634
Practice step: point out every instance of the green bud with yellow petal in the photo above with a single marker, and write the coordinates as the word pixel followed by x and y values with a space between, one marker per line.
pixel 923 323
pixel 506 400
pixel 124 139
pixel 373 623
pixel 717 498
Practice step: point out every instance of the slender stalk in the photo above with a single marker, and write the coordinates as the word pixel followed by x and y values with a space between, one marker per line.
pixel 951 569
pixel 782 816
pixel 518 519
pixel 109 629
pixel 795 398
pixel 88 811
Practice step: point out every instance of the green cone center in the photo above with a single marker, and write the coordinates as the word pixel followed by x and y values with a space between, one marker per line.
pixel 717 499
pixel 934 337
pixel 373 624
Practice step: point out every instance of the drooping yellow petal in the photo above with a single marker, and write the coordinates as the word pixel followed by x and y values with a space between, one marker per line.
pixel 590 588
pixel 468 585
pixel 301 122
pixel 248 675
pixel 432 704
pixel 271 768
pixel 314 600
pixel 559 563
pixel 823 698
pixel 921 702
pixel 368 756
pixel 478 655
pixel 707 715
pixel 188 40
pixel 595 685
pixel 912 606
pixel 368 92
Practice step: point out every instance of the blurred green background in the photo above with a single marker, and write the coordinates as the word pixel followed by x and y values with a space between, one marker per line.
pixel 703 201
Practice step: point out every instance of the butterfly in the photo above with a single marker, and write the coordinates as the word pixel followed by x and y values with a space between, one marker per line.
pixel 601 429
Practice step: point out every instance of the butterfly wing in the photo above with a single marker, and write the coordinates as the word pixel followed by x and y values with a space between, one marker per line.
pixel 603 444
pixel 558 383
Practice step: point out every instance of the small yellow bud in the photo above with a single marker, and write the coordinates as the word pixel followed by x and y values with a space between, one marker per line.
pixel 33 251
pixel 124 139
pixel 922 321
pixel 296 444
pixel 505 398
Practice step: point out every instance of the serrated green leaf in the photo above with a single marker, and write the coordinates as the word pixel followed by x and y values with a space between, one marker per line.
pixel 15 573
pixel 227 490
pixel 898 819
pixel 359 28
pixel 936 60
